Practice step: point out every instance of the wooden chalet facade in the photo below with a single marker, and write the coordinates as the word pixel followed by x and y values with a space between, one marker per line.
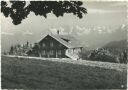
pixel 56 46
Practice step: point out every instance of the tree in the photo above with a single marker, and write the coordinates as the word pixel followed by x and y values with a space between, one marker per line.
pixel 11 52
pixel 123 57
pixel 19 10
pixel 36 50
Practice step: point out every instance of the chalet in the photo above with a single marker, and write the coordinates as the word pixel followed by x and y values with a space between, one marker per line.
pixel 57 46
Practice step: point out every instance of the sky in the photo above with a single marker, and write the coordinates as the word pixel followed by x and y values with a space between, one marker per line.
pixel 107 16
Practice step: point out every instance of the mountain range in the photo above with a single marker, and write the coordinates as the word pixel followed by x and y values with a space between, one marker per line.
pixel 117 44
pixel 92 37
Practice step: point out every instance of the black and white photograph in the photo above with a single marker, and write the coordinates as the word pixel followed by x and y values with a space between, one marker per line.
pixel 64 44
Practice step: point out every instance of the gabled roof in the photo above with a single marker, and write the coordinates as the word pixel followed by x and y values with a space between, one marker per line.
pixel 72 42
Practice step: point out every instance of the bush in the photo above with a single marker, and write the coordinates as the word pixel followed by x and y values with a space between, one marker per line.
pixel 84 54
pixel 102 55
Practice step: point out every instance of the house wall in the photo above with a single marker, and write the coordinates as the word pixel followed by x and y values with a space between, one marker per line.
pixel 74 53
pixel 74 50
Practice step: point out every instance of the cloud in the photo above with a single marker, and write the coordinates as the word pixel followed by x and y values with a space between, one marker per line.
pixel 118 4
pixel 112 10
pixel 27 33
pixel 53 30
pixel 92 10
pixel 82 30
pixel 61 30
pixel 71 30
pixel 123 26
pixel 6 33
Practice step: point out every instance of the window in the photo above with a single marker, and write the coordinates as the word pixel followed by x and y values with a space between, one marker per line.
pixel 51 52
pixel 43 44
pixel 51 44
pixel 59 52
pixel 43 52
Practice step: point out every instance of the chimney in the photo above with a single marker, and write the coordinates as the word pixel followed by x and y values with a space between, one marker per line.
pixel 58 32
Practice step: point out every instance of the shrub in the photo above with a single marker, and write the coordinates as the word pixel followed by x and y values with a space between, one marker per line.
pixel 84 54
pixel 102 55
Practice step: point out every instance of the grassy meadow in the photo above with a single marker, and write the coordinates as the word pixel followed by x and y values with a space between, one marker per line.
pixel 21 73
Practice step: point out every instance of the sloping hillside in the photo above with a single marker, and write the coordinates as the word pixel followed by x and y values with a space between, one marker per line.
pixel 117 44
pixel 25 73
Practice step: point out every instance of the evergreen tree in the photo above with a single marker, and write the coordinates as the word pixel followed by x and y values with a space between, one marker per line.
pixel 11 52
